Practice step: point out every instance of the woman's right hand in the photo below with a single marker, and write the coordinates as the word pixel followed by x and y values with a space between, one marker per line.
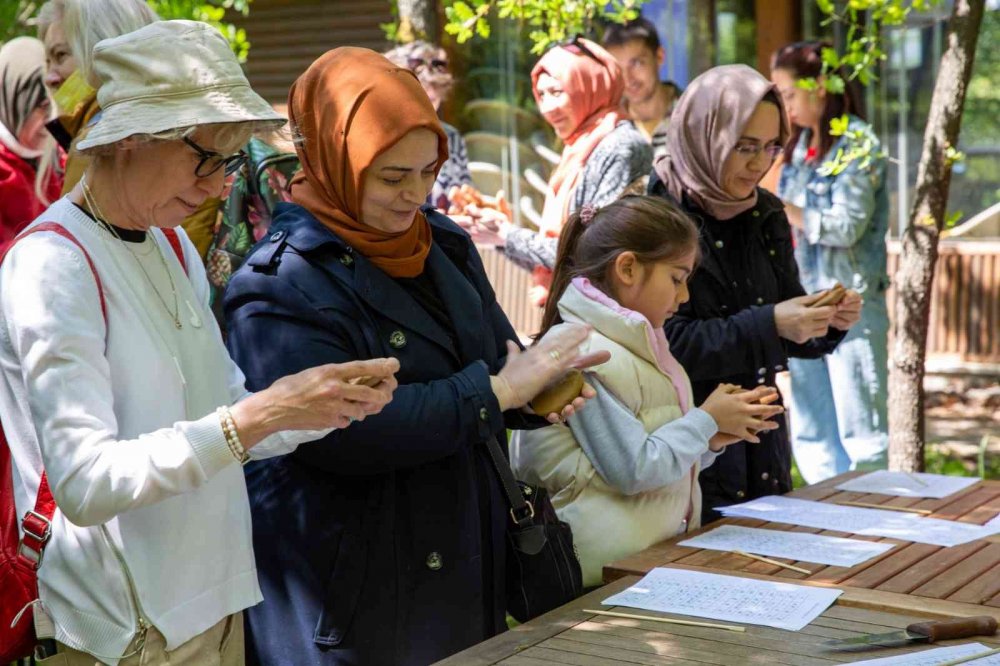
pixel 527 373
pixel 798 322
pixel 739 413
pixel 316 399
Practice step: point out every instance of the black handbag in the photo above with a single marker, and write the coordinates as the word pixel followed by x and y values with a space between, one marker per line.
pixel 542 571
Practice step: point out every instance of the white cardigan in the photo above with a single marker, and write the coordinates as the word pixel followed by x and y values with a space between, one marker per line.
pixel 122 415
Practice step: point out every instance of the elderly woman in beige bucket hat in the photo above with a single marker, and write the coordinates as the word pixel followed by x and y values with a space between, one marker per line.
pixel 117 395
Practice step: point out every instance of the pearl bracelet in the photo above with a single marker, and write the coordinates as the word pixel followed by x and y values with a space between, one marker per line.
pixel 232 437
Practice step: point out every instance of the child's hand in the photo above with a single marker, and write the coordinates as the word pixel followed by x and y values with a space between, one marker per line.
pixel 721 440
pixel 742 413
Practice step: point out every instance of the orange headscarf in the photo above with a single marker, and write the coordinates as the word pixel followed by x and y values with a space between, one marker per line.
pixel 349 107
pixel 594 86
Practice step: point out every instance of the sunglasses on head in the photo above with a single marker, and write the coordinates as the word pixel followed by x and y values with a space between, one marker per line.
pixel 577 42
pixel 436 65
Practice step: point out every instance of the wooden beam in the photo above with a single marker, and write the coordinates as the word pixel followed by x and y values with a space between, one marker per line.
pixel 779 22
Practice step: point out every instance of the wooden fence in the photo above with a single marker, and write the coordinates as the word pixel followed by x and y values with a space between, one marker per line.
pixel 965 310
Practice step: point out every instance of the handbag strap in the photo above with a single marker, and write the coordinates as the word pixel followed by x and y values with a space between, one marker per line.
pixel 37 523
pixel 521 510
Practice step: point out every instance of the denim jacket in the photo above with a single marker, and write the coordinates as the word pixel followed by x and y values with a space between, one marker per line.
pixel 845 216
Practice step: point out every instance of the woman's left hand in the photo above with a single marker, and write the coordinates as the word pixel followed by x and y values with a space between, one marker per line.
pixel 848 311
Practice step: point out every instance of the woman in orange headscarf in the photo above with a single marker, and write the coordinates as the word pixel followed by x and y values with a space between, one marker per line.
pixel 578 87
pixel 385 545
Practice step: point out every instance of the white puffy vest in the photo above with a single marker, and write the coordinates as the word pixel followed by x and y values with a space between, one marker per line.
pixel 608 525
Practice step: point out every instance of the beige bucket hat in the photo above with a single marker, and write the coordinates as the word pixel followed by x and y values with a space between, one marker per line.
pixel 167 75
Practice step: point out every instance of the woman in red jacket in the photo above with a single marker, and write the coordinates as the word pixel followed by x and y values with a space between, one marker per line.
pixel 28 182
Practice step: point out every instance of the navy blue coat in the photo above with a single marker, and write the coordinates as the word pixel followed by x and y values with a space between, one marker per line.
pixel 382 543
pixel 726 333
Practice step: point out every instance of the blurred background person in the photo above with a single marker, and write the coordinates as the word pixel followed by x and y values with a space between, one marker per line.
pixel 578 87
pixel 430 63
pixel 636 47
pixel 839 418
pixel 29 180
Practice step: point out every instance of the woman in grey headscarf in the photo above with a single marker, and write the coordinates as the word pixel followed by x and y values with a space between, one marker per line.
pixel 28 182
pixel 748 311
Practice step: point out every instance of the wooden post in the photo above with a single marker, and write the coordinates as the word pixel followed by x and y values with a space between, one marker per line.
pixel 779 22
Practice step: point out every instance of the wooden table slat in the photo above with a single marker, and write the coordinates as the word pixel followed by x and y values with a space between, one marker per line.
pixel 929 568
pixel 982 494
pixel 968 570
pixel 689 647
pixel 980 589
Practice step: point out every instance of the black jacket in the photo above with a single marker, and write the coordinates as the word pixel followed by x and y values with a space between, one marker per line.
pixel 382 543
pixel 726 333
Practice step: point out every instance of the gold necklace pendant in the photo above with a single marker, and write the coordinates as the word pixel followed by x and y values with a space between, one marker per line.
pixel 174 314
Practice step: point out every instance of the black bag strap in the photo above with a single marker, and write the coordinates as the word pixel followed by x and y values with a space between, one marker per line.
pixel 521 510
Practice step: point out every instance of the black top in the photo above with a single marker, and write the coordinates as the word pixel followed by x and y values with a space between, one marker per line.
pixel 726 333
pixel 127 235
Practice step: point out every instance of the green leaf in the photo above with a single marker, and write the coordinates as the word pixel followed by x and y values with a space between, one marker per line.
pixel 460 12
pixel 839 125
pixel 834 84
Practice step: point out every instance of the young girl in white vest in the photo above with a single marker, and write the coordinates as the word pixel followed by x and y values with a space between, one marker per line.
pixel 624 472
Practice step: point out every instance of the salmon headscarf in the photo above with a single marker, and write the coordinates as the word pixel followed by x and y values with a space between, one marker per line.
pixel 704 128
pixel 594 85
pixel 349 107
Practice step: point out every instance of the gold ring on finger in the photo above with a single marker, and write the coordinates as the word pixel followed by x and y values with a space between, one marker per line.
pixel 555 355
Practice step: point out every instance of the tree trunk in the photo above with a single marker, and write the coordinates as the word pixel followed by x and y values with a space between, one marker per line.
pixel 418 19
pixel 920 240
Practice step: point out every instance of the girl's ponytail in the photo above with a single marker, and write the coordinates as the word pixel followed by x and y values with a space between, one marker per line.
pixel 563 272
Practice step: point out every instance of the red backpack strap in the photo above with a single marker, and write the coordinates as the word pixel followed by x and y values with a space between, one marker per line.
pixel 175 244
pixel 37 523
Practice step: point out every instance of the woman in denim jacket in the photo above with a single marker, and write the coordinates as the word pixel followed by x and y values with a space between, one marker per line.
pixel 839 219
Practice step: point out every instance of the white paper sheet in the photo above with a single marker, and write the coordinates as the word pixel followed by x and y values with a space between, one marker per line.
pixel 779 605
pixel 790 545
pixel 905 484
pixel 937 656
pixel 856 520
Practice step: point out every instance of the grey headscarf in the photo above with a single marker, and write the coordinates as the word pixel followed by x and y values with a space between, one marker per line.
pixel 705 126
pixel 22 87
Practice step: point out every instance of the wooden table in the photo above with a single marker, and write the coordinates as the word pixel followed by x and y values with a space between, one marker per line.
pixel 912 577
pixel 569 636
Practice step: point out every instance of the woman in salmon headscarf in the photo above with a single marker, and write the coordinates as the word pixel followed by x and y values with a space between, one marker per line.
pixel 384 545
pixel 578 87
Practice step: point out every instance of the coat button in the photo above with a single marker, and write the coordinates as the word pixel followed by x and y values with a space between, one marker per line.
pixel 435 561
pixel 760 300
pixel 719 244
pixel 347 260
pixel 779 368
pixel 740 494
pixel 762 371
pixel 771 252
pixel 277 236
pixel 756 213
pixel 397 339
pixel 484 414
pixel 765 476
